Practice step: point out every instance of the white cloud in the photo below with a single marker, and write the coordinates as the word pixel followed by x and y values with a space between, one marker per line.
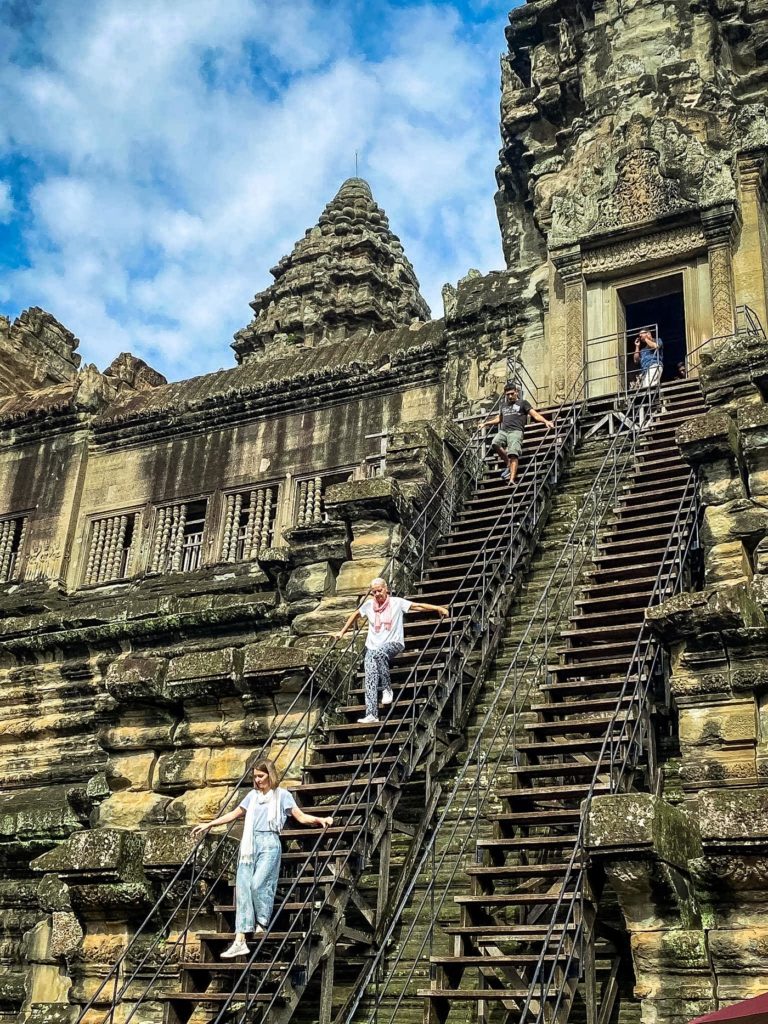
pixel 180 150
pixel 6 201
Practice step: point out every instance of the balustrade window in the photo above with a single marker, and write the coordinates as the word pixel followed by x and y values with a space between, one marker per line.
pixel 310 497
pixel 12 534
pixel 249 523
pixel 110 548
pixel 177 541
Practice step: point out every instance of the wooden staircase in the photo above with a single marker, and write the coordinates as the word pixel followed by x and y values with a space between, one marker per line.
pixel 514 928
pixel 358 771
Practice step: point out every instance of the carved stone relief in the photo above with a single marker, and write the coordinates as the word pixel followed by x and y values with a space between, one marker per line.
pixel 636 251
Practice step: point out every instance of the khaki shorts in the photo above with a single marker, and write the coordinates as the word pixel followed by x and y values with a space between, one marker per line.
pixel 512 440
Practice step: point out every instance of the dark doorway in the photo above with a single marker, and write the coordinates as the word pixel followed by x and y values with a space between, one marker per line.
pixel 658 302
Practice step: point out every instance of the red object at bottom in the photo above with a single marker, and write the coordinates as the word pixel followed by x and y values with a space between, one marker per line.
pixel 749 1011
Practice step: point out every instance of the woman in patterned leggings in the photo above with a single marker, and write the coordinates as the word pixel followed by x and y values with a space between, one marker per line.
pixel 385 640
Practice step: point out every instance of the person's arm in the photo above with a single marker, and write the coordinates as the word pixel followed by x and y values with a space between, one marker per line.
pixel 492 421
pixel 652 345
pixel 536 415
pixel 419 606
pixel 355 615
pixel 225 819
pixel 309 819
pixel 636 356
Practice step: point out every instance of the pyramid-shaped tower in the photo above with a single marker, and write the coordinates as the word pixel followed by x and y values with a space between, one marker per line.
pixel 349 273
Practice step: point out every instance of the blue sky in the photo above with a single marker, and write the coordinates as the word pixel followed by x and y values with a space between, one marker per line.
pixel 157 157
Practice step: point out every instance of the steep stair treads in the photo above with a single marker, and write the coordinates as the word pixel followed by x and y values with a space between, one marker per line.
pixel 357 774
pixel 178 910
pixel 525 947
pixel 548 598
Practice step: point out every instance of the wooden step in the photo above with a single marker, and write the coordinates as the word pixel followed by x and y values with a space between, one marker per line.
pixel 539 793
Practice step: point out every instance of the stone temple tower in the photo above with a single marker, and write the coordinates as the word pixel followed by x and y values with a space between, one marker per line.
pixel 631 181
pixel 347 274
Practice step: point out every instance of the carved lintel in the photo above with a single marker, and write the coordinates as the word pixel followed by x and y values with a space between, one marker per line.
pixel 634 252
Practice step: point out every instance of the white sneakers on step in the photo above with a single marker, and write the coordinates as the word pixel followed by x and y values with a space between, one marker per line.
pixel 236 949
pixel 387 696
pixel 368 720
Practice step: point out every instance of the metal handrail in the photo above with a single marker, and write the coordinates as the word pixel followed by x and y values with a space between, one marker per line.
pixel 421 536
pixel 401 768
pixel 643 664
pixel 485 747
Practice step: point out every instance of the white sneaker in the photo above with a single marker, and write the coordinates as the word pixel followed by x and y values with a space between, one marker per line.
pixel 258 931
pixel 368 720
pixel 236 949
pixel 387 696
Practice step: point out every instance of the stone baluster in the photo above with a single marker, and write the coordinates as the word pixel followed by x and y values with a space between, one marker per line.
pixel 255 511
pixel 7 532
pixel 303 500
pixel 90 569
pixel 116 555
pixel 317 507
pixel 177 539
pixel 106 549
pixel 20 545
pixel 229 528
pixel 237 511
pixel 162 532
pixel 270 500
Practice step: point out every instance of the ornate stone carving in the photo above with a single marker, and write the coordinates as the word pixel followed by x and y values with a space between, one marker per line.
pixel 661 245
pixel 348 273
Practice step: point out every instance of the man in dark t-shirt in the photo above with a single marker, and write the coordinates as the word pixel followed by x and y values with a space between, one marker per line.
pixel 511 419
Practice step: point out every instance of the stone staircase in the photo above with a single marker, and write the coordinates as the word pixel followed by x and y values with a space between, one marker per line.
pixel 402 980
pixel 511 928
pixel 360 771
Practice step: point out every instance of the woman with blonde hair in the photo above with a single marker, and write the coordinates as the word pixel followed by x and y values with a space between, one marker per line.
pixel 265 810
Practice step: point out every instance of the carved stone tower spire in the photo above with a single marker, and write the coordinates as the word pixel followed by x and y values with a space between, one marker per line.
pixel 349 273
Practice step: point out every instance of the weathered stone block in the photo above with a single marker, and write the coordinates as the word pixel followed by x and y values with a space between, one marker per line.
pixel 226 765
pixel 181 769
pixel 130 771
pixel 139 729
pixel 66 933
pixel 635 822
pixel 354 578
pixel 737 815
pixel 752 421
pixel 713 724
pixel 198 805
pixel 322 542
pixel 728 562
pixel 743 519
pixel 204 672
pixel 377 498
pixel 709 767
pixel 313 580
pixel 374 538
pixel 708 437
pixel 134 677
pixel 107 853
pixel 133 810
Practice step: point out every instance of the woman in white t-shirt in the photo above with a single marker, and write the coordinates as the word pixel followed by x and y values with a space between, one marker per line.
pixel 384 614
pixel 265 810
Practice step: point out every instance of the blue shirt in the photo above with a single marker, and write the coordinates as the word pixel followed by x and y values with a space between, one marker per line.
pixel 651 357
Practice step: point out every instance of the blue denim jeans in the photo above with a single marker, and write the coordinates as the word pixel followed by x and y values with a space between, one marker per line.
pixel 256 883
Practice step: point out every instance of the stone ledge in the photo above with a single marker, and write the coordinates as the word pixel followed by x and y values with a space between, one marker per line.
pixel 632 823
pixel 735 817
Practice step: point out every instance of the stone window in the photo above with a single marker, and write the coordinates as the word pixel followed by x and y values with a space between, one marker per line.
pixel 12 533
pixel 310 505
pixel 177 539
pixel 110 548
pixel 249 522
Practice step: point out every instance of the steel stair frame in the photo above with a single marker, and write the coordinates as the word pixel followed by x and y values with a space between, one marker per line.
pixel 500 570
pixel 419 540
pixel 596 506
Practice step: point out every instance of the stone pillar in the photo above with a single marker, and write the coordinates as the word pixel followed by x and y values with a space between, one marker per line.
pixel 750 262
pixel 720 225
pixel 567 336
